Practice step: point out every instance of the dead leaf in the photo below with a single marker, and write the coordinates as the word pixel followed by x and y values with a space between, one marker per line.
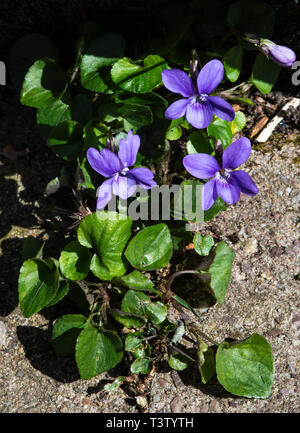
pixel 12 154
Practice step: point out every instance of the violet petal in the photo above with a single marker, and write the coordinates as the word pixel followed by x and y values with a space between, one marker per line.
pixel 123 186
pixel 128 149
pixel 105 162
pixel 178 81
pixel 209 194
pixel 177 109
pixel 210 77
pixel 104 193
pixel 245 182
pixel 201 165
pixel 228 190
pixel 199 114
pixel 143 177
pixel 237 153
pixel 222 108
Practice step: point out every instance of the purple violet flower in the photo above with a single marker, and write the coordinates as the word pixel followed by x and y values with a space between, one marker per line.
pixel 284 56
pixel 121 180
pixel 225 182
pixel 197 105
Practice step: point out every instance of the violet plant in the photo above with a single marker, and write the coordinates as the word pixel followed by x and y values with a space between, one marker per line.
pixel 109 117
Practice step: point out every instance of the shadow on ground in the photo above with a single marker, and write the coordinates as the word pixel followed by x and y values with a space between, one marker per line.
pixel 24 210
pixel 39 351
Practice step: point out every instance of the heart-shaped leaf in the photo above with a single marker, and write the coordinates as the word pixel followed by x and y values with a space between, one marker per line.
pixel 138 281
pixel 151 248
pixel 220 130
pixel 107 233
pixel 246 368
pixel 66 139
pixel 74 261
pixel 43 84
pixel 52 115
pixel 264 73
pixel 137 78
pixel 38 285
pixel 141 365
pixel 97 351
pixel 101 53
pixel 220 271
pixel 233 62
pixel 65 332
pixel 203 244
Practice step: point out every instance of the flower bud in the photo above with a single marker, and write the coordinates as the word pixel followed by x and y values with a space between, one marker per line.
pixel 284 56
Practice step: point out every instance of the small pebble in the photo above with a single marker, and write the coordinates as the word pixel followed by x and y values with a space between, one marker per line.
pixel 3 333
pixel 176 405
pixel 250 246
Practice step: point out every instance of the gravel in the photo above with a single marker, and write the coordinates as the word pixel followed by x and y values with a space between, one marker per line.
pixel 263 297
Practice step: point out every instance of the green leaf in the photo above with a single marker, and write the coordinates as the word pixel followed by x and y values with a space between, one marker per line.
pixel 241 100
pixel 190 196
pixel 66 139
pixel 107 233
pixel 218 205
pixel 129 320
pixel 220 129
pixel 141 365
pixel 81 109
pixel 132 342
pixel 156 102
pixel 65 332
pixel 179 332
pixel 156 312
pixel 52 187
pixel 173 132
pixel 206 362
pixel 32 248
pixel 135 303
pixel 220 271
pixel 142 351
pixel 175 20
pixel 38 284
pixel 43 84
pixel 78 297
pixel 25 52
pixel 264 73
pixel 138 281
pixel 52 115
pixel 74 261
pixel 178 361
pixel 233 62
pixel 186 305
pixel 135 78
pixel 101 53
pixel 255 17
pixel 95 135
pixel 187 201
pixel 151 248
pixel 60 294
pixel 135 116
pixel 203 244
pixel 198 142
pixel 97 351
pixel 238 123
pixel 109 387
pixel 246 369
